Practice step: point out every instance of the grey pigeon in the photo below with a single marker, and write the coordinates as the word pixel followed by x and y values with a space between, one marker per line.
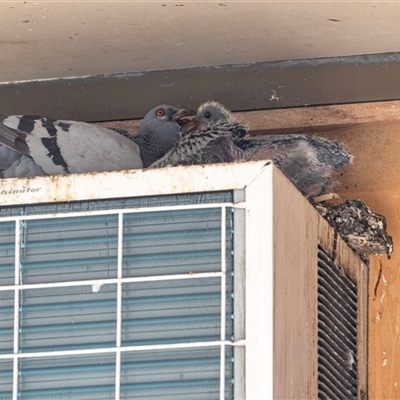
pixel 363 230
pixel 214 136
pixel 35 145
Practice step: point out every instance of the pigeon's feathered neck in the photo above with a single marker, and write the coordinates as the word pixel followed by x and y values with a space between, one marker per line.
pixel 159 132
pixel 152 147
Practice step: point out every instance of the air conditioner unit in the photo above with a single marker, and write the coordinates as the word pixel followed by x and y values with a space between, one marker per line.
pixel 203 282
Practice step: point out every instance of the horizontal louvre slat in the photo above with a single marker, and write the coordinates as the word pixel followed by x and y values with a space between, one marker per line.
pixel 68 318
pixel 70 249
pixel 70 377
pixel 167 374
pixel 7 253
pixel 6 379
pixel 183 315
pixel 6 322
pixel 172 242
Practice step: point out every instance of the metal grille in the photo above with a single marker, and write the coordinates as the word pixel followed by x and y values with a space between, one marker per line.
pixel 119 299
pixel 337 332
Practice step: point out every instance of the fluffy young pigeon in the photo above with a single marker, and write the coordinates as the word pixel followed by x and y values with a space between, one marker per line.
pixel 214 136
pixel 35 145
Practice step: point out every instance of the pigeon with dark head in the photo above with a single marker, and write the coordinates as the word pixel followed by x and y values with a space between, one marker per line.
pixel 35 145
pixel 308 161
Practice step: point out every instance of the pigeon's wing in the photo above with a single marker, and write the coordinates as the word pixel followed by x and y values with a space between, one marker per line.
pixel 211 144
pixel 60 147
pixel 15 159
pixel 221 150
pixel 188 149
pixel 90 148
pixel 17 165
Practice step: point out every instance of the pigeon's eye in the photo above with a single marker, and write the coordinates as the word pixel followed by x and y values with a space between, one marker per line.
pixel 160 112
pixel 207 114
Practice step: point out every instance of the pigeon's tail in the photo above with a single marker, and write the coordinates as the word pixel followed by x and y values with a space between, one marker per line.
pixel 308 162
pixel 302 166
pixel 313 183
pixel 326 152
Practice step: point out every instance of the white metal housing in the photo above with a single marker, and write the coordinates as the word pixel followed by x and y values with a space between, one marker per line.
pixel 275 289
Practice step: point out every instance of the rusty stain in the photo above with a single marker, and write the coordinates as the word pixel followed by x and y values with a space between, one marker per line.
pixel 378 280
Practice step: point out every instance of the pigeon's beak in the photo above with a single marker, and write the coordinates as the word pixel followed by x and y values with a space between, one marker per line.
pixel 191 126
pixel 180 116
